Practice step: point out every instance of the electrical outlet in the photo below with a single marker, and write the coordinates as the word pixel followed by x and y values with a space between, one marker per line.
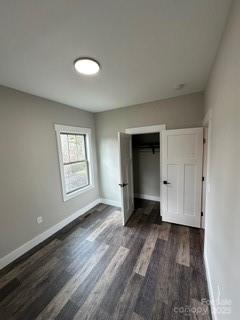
pixel 39 220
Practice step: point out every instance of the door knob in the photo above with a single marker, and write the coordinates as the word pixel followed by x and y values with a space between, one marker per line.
pixel 122 185
pixel 166 182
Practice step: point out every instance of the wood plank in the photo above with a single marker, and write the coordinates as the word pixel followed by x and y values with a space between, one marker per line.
pixel 198 283
pixel 146 297
pixel 27 291
pixel 101 206
pixel 167 267
pixel 115 291
pixel 161 311
pixel 68 311
pixel 83 291
pixel 38 280
pixel 55 306
pixel 126 304
pixel 5 315
pixel 91 304
pixel 183 254
pixel 101 315
pixel 148 209
pixel 113 219
pixel 87 249
pixel 146 253
pixel 98 231
pixel 179 289
pixel 8 288
pixel 28 263
pixel 136 316
pixel 172 289
pixel 32 310
pixel 164 231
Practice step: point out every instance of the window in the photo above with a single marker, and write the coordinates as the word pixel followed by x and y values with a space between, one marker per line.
pixel 74 158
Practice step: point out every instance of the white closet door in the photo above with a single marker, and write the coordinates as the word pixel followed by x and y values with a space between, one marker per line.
pixel 182 152
pixel 126 175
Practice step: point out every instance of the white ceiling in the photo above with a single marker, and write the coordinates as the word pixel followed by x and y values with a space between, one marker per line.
pixel 146 48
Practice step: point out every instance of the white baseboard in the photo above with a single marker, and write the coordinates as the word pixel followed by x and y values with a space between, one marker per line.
pixel 210 287
pixel 146 197
pixel 111 202
pixel 46 234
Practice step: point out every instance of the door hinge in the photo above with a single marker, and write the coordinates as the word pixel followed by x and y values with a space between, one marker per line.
pixel 201 214
pixel 203 178
pixel 204 140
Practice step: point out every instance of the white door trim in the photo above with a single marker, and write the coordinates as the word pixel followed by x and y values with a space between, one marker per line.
pixel 151 129
pixel 207 118
pixel 207 122
pixel 146 129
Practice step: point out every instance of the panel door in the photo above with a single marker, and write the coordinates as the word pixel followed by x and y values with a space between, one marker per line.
pixel 126 175
pixel 182 152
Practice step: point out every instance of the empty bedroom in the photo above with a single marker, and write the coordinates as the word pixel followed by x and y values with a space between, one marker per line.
pixel 119 160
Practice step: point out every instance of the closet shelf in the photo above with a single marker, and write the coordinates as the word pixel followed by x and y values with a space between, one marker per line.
pixel 153 147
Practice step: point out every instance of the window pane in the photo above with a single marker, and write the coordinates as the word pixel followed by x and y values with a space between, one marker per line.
pixel 73 156
pixel 64 143
pixel 76 176
pixel 80 140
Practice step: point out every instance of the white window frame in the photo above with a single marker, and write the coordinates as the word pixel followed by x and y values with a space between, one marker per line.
pixel 88 134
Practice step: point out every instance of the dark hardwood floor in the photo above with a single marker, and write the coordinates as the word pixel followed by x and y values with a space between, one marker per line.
pixel 100 270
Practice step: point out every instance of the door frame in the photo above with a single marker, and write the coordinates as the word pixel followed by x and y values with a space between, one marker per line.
pixel 207 123
pixel 151 129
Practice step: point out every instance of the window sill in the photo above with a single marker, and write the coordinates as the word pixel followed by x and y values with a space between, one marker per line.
pixel 76 193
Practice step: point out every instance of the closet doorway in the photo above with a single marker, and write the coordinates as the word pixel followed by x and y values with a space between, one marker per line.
pixel 146 166
pixel 132 142
pixel 146 175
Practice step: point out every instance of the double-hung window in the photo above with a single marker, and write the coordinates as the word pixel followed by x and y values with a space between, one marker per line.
pixel 74 158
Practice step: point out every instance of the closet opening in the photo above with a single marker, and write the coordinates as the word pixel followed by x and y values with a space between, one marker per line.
pixel 146 174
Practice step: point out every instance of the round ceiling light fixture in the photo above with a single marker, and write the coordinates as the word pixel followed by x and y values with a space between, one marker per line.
pixel 87 66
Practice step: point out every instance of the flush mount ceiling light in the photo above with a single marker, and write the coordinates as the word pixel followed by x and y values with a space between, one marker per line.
pixel 87 66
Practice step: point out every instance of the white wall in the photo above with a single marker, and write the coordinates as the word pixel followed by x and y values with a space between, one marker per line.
pixel 30 184
pixel 181 112
pixel 222 247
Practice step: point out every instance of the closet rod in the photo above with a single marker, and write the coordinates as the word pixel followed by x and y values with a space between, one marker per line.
pixel 153 147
